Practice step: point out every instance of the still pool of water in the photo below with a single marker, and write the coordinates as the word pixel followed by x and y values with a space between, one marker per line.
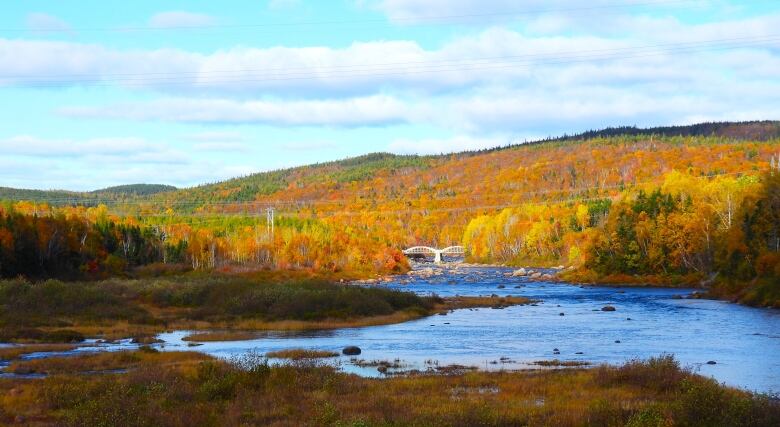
pixel 743 342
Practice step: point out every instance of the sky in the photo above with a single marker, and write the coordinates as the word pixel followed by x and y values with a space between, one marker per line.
pixel 96 93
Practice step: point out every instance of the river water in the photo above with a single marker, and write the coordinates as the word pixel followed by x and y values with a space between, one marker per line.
pixel 743 342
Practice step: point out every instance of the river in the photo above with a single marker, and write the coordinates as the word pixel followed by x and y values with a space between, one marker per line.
pixel 743 342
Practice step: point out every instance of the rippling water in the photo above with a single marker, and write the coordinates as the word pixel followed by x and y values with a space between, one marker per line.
pixel 744 342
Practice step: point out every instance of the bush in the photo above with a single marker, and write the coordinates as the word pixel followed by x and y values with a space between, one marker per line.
pixel 662 373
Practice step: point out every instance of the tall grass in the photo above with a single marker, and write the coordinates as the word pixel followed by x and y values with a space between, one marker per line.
pixel 32 310
pixel 179 391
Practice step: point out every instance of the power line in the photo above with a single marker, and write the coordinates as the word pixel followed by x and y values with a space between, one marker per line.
pixel 384 66
pixel 411 68
pixel 422 20
pixel 270 204
pixel 305 203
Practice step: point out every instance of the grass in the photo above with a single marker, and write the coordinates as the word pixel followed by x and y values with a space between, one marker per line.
pixel 301 354
pixel 104 361
pixel 588 276
pixel 175 389
pixel 221 336
pixel 68 312
pixel 9 353
pixel 484 302
pixel 764 292
pixel 54 311
pixel 560 363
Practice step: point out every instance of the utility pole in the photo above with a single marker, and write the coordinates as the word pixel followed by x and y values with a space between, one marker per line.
pixel 270 221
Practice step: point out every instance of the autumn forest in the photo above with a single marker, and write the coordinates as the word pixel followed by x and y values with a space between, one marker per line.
pixel 680 207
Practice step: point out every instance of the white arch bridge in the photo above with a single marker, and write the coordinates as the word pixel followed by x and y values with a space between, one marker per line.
pixel 437 253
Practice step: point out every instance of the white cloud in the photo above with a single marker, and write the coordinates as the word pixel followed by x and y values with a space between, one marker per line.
pixel 375 110
pixel 26 145
pixel 481 11
pixel 176 19
pixel 42 22
pixel 309 145
pixel 222 147
pixel 215 136
pixel 33 162
pixel 495 56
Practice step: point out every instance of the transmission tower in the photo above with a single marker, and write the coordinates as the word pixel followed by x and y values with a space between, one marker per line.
pixel 269 217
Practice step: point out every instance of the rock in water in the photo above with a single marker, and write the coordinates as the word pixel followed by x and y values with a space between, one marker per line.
pixel 519 273
pixel 351 350
pixel 608 308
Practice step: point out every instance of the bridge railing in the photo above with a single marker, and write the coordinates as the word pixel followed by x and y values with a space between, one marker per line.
pixel 437 253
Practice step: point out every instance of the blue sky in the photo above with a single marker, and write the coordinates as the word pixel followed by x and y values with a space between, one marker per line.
pixel 187 92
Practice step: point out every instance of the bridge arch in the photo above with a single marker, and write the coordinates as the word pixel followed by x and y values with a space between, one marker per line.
pixel 437 253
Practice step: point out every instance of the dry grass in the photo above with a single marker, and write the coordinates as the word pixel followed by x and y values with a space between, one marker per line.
pixel 104 361
pixel 15 352
pixel 178 389
pixel 301 354
pixel 243 327
pixel 560 363
pixel 483 302
pixel 221 336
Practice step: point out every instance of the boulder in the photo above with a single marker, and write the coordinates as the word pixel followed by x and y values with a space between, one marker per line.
pixel 519 273
pixel 536 275
pixel 712 362
pixel 608 308
pixel 351 350
pixel 500 286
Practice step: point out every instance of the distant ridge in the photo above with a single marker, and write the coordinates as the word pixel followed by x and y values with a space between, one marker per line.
pixel 333 175
pixel 751 130
pixel 136 189
pixel 117 192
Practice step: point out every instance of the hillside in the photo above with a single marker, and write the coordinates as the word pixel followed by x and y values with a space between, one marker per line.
pixel 319 181
pixel 134 190
pixel 323 180
pixel 7 193
pixel 104 195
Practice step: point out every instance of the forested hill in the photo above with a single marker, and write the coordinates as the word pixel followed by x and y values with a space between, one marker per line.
pixel 135 190
pixel 392 176
pixel 63 197
pixel 755 131
pixel 690 203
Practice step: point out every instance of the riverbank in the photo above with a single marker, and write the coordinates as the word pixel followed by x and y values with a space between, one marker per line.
pixel 763 293
pixel 66 312
pixel 191 389
pixel 55 311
